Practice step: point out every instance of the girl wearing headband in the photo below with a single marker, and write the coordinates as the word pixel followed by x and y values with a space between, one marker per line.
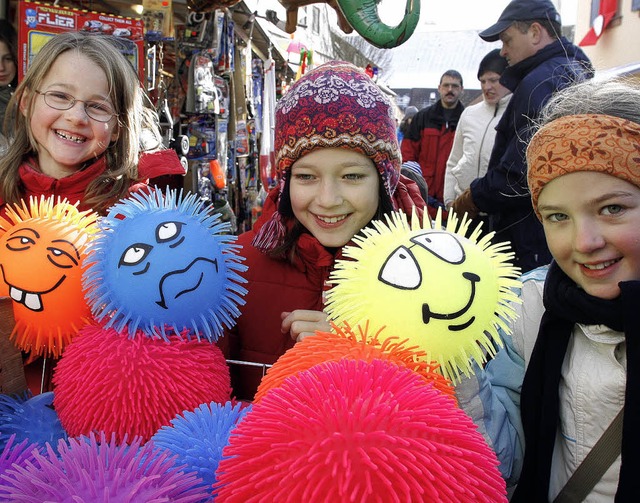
pixel 338 161
pixel 573 362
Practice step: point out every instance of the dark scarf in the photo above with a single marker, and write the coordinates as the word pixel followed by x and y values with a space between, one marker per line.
pixel 567 304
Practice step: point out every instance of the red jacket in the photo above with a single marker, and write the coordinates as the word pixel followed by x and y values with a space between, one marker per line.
pixel 428 142
pixel 275 286
pixel 72 187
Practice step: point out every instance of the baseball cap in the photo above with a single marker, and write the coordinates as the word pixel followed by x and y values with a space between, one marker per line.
pixel 520 10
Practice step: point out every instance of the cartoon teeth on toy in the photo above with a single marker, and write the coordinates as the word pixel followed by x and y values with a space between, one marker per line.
pixel 41 251
pixel 444 292
pixel 162 261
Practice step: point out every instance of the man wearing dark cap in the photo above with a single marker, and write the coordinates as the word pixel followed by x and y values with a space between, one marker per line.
pixel 541 62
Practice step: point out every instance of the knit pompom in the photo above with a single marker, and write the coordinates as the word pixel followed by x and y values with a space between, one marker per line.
pixel 30 418
pixel 198 437
pixel 353 431
pixel 109 382
pixel 99 470
pixel 356 344
pixel 16 454
pixel 168 267
pixel 42 248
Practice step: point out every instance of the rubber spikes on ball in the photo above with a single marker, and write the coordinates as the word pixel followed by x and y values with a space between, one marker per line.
pixel 353 431
pixel 359 344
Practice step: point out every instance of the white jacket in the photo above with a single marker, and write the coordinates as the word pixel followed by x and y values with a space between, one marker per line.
pixel 472 145
pixel 592 392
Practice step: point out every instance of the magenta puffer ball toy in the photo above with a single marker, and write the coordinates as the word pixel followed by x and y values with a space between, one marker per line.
pixel 101 470
pixel 112 383
pixel 353 431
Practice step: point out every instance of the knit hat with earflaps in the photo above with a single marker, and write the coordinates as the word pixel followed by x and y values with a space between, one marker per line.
pixel 335 105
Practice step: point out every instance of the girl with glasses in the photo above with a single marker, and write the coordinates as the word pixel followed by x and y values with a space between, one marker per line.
pixel 79 117
pixel 80 114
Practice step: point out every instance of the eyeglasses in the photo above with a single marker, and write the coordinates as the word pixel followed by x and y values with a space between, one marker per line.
pixel 99 111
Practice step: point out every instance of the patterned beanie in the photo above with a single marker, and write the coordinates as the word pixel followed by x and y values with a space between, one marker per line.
pixel 335 105
pixel 584 142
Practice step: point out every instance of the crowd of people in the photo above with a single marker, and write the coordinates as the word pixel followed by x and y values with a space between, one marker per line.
pixel 548 160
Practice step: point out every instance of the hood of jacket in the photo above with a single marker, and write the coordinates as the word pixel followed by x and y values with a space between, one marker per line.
pixel 73 187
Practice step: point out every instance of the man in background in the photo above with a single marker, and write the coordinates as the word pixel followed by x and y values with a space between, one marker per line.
pixel 429 138
pixel 541 62
pixel 476 131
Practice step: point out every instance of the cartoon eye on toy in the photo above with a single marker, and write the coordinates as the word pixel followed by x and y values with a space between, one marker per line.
pixel 442 244
pixel 169 231
pixel 135 254
pixel 42 247
pixel 162 262
pixel 401 270
pixel 445 293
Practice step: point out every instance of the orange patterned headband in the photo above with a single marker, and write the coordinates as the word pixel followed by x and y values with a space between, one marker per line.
pixel 588 142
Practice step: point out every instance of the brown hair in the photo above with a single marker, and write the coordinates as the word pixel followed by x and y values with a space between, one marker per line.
pixel 128 100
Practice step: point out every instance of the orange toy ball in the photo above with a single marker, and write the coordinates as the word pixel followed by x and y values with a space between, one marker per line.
pixel 42 248
pixel 354 345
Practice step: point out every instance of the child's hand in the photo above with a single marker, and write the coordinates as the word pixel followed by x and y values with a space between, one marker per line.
pixel 302 323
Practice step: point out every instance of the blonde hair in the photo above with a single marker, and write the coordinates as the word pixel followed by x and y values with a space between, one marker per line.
pixel 619 97
pixel 129 102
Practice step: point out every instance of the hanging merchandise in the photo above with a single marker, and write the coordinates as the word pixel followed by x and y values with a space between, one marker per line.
pixel 158 19
pixel 209 5
pixel 238 118
pixel 202 95
pixel 267 151
pixel 226 40
pixel 198 31
pixel 306 61
pixel 201 131
pixel 257 83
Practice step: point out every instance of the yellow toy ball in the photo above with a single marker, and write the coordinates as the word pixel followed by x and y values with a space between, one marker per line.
pixel 446 293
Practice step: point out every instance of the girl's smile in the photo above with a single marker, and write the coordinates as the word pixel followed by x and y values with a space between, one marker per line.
pixel 334 193
pixel 592 223
pixel 67 139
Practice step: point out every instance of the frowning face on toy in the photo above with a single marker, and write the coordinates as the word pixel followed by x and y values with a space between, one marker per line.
pixel 436 288
pixel 160 266
pixel 40 262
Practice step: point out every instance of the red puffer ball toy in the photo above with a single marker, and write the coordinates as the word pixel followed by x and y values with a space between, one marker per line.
pixel 356 345
pixel 111 383
pixel 353 431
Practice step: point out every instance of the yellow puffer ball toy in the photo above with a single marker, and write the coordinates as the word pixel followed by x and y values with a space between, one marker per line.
pixel 446 293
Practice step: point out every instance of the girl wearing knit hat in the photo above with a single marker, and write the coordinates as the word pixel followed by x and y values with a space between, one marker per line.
pixel 578 336
pixel 338 162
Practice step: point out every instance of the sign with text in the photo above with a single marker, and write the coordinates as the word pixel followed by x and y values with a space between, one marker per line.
pixel 38 22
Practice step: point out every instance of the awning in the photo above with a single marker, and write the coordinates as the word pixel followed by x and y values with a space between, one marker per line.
pixel 608 10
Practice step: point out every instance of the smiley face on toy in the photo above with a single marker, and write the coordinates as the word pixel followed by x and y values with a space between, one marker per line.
pixel 444 292
pixel 41 252
pixel 165 264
